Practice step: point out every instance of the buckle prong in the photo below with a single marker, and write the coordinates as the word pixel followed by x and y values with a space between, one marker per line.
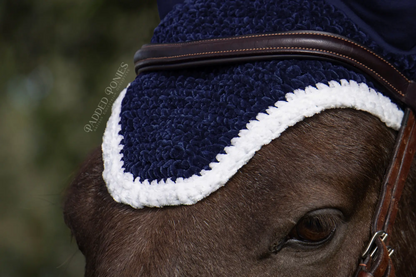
pixel 391 251
pixel 383 235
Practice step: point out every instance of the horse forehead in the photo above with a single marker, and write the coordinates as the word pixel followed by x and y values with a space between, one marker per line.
pixel 325 159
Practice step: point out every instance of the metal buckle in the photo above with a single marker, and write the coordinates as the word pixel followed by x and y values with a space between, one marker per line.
pixel 383 235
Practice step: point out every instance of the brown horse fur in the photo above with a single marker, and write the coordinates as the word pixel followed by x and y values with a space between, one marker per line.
pixel 331 163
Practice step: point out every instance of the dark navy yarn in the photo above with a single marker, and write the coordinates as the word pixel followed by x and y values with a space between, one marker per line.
pixel 202 19
pixel 391 23
pixel 174 123
pixel 165 6
pixel 385 21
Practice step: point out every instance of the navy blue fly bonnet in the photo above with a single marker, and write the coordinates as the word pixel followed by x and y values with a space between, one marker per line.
pixel 177 135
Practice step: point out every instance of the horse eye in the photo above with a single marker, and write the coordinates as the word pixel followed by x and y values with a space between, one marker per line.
pixel 314 229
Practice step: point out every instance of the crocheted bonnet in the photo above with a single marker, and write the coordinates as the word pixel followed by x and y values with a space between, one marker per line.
pixel 176 136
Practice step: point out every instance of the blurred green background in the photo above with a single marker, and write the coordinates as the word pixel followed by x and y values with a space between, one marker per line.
pixel 57 57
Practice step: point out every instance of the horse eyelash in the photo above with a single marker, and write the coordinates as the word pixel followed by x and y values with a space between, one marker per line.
pixel 327 221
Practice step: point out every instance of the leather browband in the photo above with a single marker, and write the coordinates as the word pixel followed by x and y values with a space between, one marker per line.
pixel 309 44
pixel 312 44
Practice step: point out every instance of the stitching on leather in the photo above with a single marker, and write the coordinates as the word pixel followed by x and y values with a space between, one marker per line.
pixel 242 37
pixel 280 48
pixel 274 34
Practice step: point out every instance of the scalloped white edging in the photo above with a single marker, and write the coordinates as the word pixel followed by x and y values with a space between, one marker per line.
pixel 267 127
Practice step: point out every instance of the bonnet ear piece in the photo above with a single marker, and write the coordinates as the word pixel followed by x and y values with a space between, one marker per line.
pixel 165 6
pixel 385 21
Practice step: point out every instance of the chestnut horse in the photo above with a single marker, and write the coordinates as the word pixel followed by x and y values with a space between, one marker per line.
pixel 302 206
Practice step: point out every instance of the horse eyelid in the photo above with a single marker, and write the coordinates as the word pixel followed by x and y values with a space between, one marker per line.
pixel 328 222
pixel 325 217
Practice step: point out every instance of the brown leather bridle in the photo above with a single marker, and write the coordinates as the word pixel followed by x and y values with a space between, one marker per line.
pixel 375 261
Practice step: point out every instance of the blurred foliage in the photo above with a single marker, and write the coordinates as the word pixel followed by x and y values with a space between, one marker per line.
pixel 57 57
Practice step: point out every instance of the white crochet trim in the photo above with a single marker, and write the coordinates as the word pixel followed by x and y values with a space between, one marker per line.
pixel 267 127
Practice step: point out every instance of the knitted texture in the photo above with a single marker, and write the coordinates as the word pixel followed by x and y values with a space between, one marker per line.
pixel 204 19
pixel 266 127
pixel 174 137
pixel 174 123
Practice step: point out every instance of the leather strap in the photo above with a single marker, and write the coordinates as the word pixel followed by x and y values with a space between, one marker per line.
pixel 380 265
pixel 396 176
pixel 316 45
pixel 303 44
pixel 391 190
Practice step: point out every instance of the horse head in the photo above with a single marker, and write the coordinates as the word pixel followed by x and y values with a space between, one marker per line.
pixel 258 139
